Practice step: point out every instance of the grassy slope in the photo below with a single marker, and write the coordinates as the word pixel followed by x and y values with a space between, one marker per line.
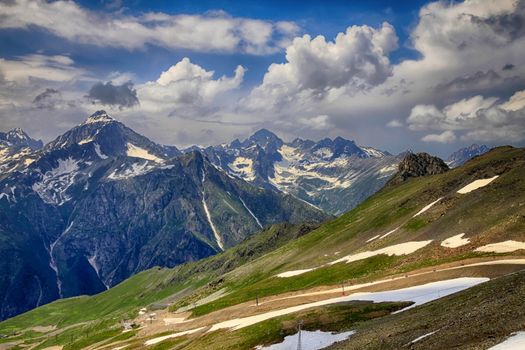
pixel 490 214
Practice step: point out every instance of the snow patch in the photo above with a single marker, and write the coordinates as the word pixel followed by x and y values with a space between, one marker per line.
pixel 216 233
pixel 502 247
pixel 137 152
pixel 99 152
pixel 427 207
pixel 389 233
pixel 251 213
pixel 372 239
pixel 135 170
pixel 514 342
pixel 455 241
pixel 54 183
pixel 397 249
pixel 294 273
pixel 422 337
pixel 476 184
pixel 243 167
pixel 309 340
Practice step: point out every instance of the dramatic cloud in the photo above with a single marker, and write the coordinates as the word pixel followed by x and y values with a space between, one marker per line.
pixel 314 68
pixel 186 85
pixel 477 118
pixel 115 95
pixel 212 32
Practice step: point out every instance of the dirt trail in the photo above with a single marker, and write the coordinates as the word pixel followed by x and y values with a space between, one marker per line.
pixel 478 267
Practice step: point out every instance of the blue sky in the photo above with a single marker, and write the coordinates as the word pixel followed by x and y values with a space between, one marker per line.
pixel 403 74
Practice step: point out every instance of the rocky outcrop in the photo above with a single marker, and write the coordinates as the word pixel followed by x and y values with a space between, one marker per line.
pixel 418 164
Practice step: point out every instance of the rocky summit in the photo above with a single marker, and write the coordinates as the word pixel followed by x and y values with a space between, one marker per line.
pixel 418 164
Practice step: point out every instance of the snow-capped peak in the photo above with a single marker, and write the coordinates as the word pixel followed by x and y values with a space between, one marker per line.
pixel 99 117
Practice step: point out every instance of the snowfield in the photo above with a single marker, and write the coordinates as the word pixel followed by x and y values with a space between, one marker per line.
pixel 294 272
pixel 455 241
pixel 476 184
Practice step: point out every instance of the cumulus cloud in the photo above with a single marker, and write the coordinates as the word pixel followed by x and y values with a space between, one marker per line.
pixel 186 84
pixel 445 137
pixel 476 118
pixel 314 69
pixel 215 31
pixel 121 96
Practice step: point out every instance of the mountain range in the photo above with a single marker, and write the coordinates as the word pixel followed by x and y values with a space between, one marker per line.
pixel 432 260
pixel 101 202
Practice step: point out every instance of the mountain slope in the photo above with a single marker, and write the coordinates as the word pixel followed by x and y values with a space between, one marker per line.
pixel 101 203
pixel 15 148
pixel 406 233
pixel 334 175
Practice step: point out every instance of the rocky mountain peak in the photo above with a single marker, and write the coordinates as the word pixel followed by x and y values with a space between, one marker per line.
pixel 418 164
pixel 19 138
pixel 99 117
pixel 264 138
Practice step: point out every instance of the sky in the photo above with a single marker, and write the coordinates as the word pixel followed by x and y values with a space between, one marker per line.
pixel 395 75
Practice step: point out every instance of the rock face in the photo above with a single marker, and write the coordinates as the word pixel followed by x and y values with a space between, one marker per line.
pixel 464 154
pixel 15 146
pixel 335 175
pixel 418 164
pixel 101 203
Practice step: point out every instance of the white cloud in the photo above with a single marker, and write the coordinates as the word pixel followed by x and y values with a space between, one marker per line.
pixel 315 69
pixel 186 85
pixel 37 66
pixel 211 32
pixel 445 137
pixel 477 118
pixel 394 123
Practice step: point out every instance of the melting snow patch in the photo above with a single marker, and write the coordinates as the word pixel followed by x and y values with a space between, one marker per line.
pixel 422 337
pixel 455 241
pixel 251 213
pixel 371 239
pixel 294 273
pixel 135 170
pixel 389 233
pixel 309 340
pixel 137 152
pixel 502 247
pixel 515 341
pixel 427 207
pixel 476 184
pixel 397 249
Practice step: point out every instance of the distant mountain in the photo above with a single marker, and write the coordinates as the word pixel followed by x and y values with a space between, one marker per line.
pixel 334 175
pixel 464 154
pixel 102 202
pixel 15 145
